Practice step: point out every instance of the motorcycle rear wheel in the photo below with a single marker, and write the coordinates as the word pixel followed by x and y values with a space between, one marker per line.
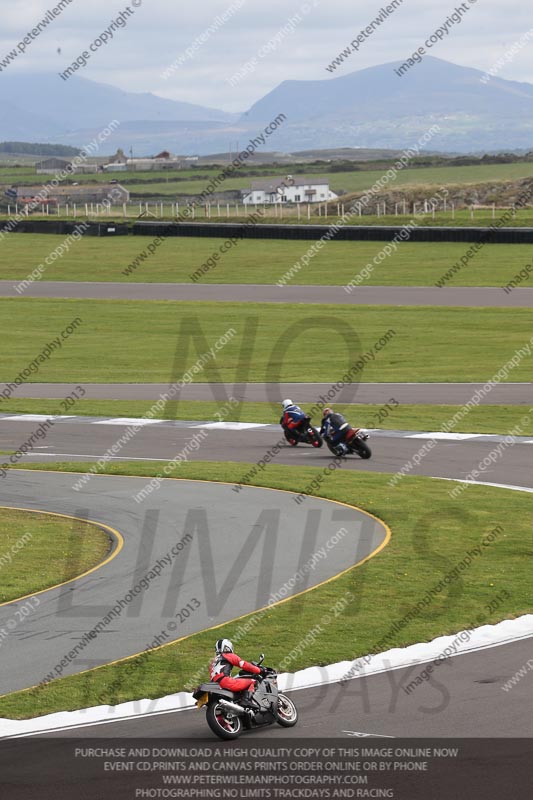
pixel 361 448
pixel 291 441
pixel 223 724
pixel 286 713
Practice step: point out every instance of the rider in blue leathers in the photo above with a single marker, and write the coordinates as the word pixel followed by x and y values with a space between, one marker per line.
pixel 335 429
pixel 293 418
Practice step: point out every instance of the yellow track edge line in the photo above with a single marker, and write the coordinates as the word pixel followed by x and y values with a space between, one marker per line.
pixel 115 536
pixel 378 549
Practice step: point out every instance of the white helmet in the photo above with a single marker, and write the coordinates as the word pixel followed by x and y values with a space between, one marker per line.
pixel 223 646
pixel 287 403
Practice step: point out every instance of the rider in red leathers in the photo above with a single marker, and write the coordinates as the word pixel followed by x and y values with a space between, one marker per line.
pixel 223 663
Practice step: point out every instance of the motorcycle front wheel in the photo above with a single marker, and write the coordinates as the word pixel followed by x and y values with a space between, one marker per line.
pixel 223 724
pixel 287 713
pixel 314 437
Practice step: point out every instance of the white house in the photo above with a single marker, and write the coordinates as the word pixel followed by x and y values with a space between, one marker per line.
pixel 288 190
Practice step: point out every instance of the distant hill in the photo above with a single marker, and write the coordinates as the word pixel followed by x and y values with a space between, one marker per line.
pixel 369 109
pixel 376 108
pixel 435 87
pixel 43 107
pixel 38 149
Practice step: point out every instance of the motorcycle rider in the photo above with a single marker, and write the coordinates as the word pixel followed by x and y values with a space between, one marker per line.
pixel 221 666
pixel 293 418
pixel 334 429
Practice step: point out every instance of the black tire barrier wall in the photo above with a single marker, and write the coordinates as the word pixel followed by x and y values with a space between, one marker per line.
pixel 353 233
pixel 348 233
pixel 65 228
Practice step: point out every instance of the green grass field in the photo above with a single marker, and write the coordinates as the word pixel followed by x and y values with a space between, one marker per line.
pixel 483 419
pixel 357 181
pixel 258 261
pixel 431 534
pixel 41 550
pixel 340 182
pixel 131 341
pixel 138 341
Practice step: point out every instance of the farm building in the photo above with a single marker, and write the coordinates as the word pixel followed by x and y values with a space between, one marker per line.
pixel 90 193
pixel 51 166
pixel 162 161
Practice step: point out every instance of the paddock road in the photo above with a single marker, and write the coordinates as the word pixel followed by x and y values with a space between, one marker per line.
pixel 454 296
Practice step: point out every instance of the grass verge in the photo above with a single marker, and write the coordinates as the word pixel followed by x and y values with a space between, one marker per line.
pixel 37 551
pixel 116 341
pixel 431 536
pixel 260 261
pixel 496 419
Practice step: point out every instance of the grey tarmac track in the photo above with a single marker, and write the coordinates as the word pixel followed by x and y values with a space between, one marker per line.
pixel 456 296
pixel 80 441
pixel 463 698
pixel 466 698
pixel 236 551
pixel 416 393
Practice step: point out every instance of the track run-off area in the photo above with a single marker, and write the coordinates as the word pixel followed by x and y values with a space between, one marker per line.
pixel 225 523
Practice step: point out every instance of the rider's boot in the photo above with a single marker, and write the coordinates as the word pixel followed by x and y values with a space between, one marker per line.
pixel 246 700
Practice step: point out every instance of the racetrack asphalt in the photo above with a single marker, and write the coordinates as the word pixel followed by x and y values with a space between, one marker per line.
pixel 82 440
pixel 416 393
pixel 463 698
pixel 234 551
pixel 455 296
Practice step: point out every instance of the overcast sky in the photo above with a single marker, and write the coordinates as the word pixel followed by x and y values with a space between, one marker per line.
pixel 160 31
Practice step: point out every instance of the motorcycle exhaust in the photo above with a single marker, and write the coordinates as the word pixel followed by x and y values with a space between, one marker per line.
pixel 226 704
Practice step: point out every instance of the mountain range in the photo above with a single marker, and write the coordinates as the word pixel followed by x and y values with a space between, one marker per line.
pixel 368 108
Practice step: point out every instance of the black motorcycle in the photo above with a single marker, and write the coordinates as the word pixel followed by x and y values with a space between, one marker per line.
pixel 355 442
pixel 228 717
pixel 307 434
